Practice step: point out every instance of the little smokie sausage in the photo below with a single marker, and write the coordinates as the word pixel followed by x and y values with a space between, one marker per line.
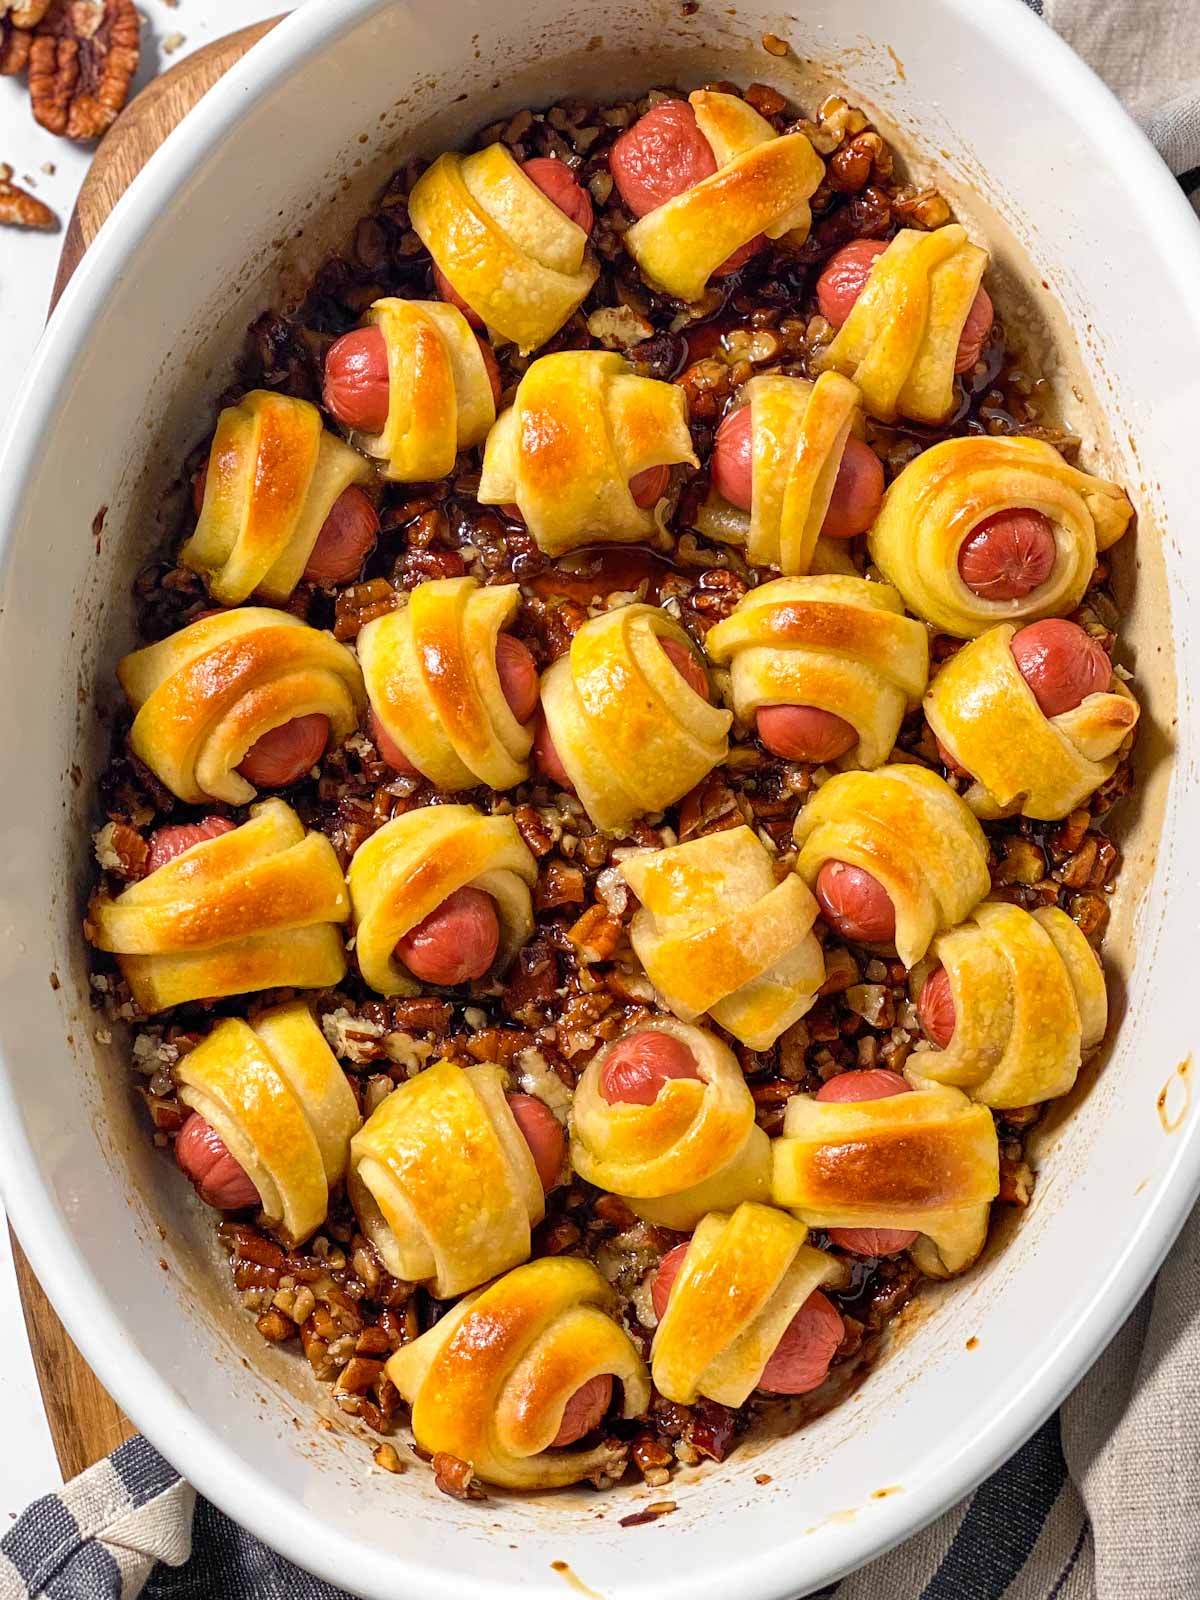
pixel 557 182
pixel 935 1007
pixel 844 278
pixel 167 843
pixel 636 1069
pixel 286 753
pixel 543 1134
pixel 457 941
pixel 800 1361
pixel 584 1411
pixel 518 682
pixel 857 490
pixel 662 155
pixel 357 387
pixel 805 733
pixel 855 904
pixel 546 758
pixel 1061 664
pixel 219 1179
pixel 848 1087
pixel 1008 555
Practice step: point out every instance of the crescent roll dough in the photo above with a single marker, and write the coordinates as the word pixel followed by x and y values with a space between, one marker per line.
pixel 431 677
pixel 630 731
pixel 205 695
pixel 518 261
pixel 900 341
pixel 696 1148
pixel 274 474
pixel 581 425
pixel 940 498
pixel 743 1279
pixel 798 431
pixel 439 394
pixel 490 1381
pixel 987 717
pixel 443 1182
pixel 256 908
pixel 1029 1004
pixel 908 829
pixel 718 933
pixel 275 1093
pixel 840 644
pixel 405 870
pixel 927 1161
pixel 762 184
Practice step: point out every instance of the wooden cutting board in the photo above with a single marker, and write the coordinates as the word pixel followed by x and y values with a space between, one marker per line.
pixel 85 1423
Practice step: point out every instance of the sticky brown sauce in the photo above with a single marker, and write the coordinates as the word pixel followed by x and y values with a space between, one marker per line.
pixel 1175 1097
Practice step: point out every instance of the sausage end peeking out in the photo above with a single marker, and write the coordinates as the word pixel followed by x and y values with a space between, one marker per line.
pixel 855 904
pixel 848 1088
pixel 636 1068
pixel 456 942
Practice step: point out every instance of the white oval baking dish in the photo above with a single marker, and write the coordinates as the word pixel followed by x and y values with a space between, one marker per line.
pixel 270 169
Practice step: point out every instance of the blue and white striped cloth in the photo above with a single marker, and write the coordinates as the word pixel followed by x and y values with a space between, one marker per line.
pixel 1102 1503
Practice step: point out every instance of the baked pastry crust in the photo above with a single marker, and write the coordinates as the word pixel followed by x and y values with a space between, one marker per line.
pixel 203 696
pixel 632 735
pixel 414 862
pixel 908 828
pixel 513 256
pixel 490 1381
pixel 256 908
pixel 431 677
pixel 274 1092
pixel 763 184
pixel 927 1161
pixel 900 341
pixel 717 933
pixel 1029 1004
pixel 798 433
pixel 939 499
pixel 439 394
pixel 696 1148
pixel 743 1279
pixel 987 717
pixel 274 473
pixel 838 643
pixel 443 1182
pixel 581 425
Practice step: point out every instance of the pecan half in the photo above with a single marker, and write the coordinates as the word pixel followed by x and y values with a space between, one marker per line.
pixel 83 58
pixel 20 209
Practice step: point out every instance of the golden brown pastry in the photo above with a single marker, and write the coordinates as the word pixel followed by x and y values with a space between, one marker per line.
pixel 413 865
pixel 275 1094
pixel 900 341
pixel 443 1182
pixel 837 645
pixel 439 392
pixel 492 1380
pixel 939 502
pixel 927 1162
pixel 718 933
pixel 907 830
pixel 432 679
pixel 1014 1003
pixel 274 475
pixel 798 433
pixel 663 1118
pixel 581 426
pixel 742 1282
pixel 763 184
pixel 204 697
pixel 255 908
pixel 518 261
pixel 989 722
pixel 631 732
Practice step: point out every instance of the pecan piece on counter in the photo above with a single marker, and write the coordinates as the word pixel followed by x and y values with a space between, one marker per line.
pixel 18 208
pixel 82 61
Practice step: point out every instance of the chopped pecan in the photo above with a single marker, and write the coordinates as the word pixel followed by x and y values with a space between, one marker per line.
pixel 19 208
pixel 532 984
pixel 766 101
pixel 362 603
pixel 83 58
pixel 456 1477
pixel 275 1327
pixel 385 1456
pixel 558 885
pixel 1016 1182
pixel 596 934
pixel 539 836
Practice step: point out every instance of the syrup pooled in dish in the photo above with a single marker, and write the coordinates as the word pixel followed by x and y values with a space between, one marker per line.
pixel 628 719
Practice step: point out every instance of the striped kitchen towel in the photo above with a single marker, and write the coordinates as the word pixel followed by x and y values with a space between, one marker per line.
pixel 1102 1503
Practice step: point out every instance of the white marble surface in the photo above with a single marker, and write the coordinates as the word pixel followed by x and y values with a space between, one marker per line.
pixel 28 262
